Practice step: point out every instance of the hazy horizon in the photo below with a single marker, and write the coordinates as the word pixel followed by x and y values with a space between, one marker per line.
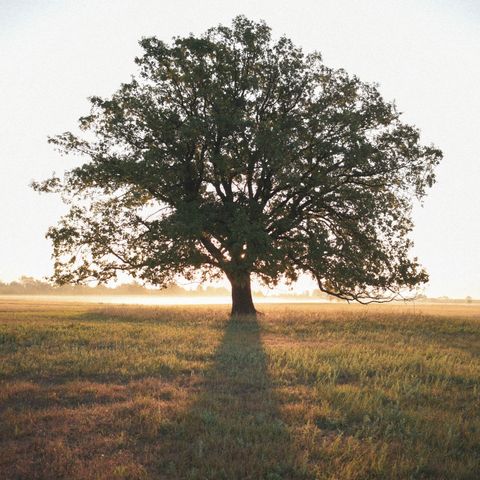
pixel 425 56
pixel 193 292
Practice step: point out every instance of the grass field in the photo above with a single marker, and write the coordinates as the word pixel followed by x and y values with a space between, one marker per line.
pixel 307 392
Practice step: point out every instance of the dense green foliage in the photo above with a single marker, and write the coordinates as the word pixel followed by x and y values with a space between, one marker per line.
pixel 231 153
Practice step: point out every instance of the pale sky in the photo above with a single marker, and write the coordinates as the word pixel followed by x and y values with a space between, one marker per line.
pixel 425 54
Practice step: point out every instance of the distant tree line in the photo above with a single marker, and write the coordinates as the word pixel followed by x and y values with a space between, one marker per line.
pixel 32 286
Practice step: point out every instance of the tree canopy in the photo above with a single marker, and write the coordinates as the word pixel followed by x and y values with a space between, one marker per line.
pixel 234 153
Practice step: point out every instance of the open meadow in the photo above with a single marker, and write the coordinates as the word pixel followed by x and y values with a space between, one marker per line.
pixel 306 392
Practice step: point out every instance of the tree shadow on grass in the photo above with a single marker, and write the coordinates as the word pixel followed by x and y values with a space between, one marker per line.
pixel 162 423
pixel 233 430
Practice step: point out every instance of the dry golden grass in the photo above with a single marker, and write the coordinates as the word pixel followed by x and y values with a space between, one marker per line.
pixel 307 392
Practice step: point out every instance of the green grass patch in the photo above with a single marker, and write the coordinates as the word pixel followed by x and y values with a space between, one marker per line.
pixel 305 392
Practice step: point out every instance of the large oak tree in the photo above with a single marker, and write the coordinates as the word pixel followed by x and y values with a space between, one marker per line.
pixel 231 153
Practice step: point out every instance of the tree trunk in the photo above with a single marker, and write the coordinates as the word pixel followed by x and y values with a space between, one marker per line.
pixel 242 302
